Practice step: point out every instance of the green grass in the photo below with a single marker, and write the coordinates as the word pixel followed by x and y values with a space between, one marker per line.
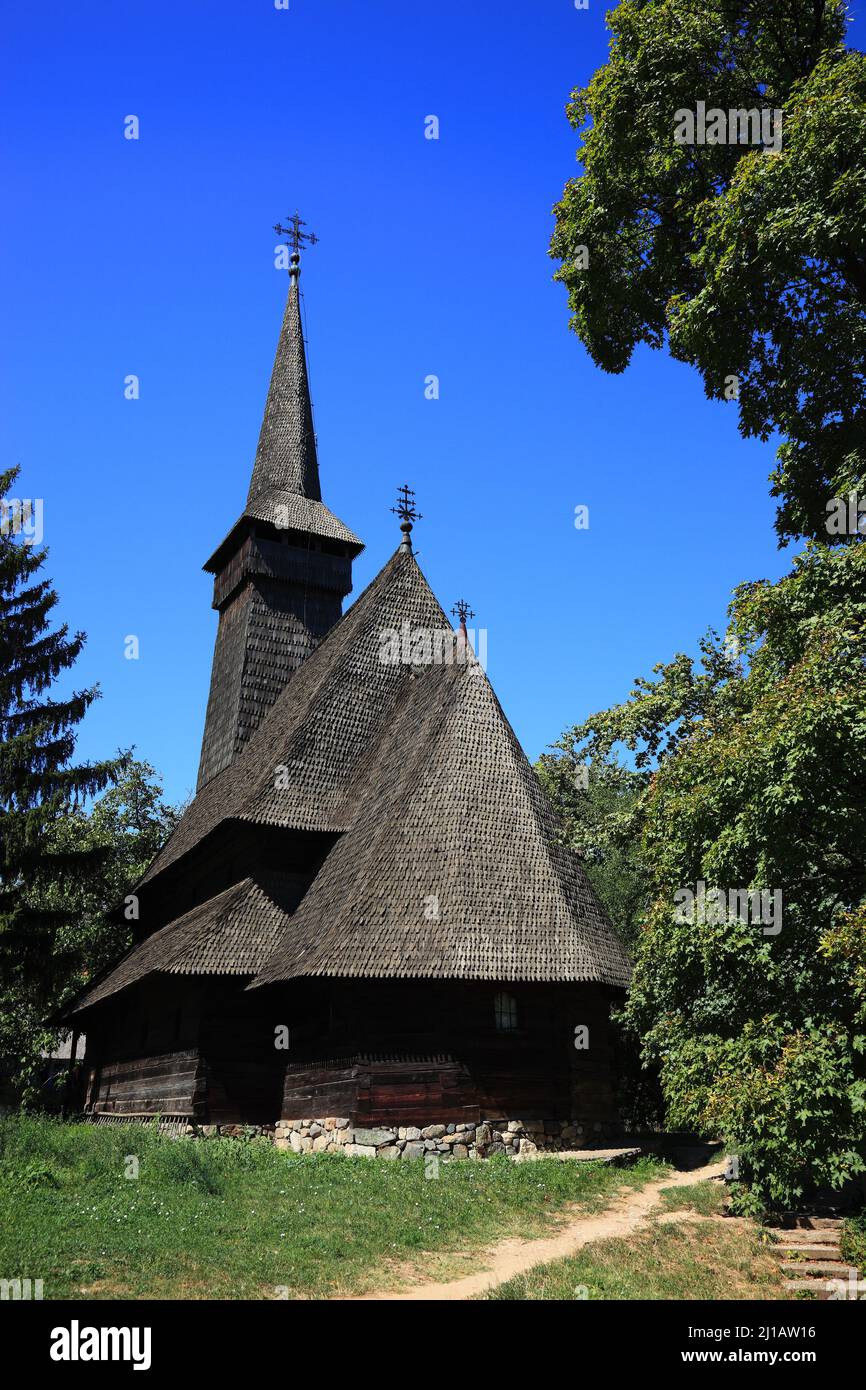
pixel 231 1219
pixel 702 1259
pixel 705 1198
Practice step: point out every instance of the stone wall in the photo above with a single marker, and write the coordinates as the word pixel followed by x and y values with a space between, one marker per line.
pixel 510 1137
pixel 338 1135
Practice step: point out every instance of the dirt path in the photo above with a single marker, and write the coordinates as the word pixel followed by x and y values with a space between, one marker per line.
pixel 510 1257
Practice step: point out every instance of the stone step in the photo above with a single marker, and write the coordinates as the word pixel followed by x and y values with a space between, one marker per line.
pixel 812 1286
pixel 807 1237
pixel 833 1287
pixel 794 1222
pixel 611 1156
pixel 823 1252
pixel 827 1268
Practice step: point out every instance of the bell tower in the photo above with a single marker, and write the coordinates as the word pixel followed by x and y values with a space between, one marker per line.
pixel 282 572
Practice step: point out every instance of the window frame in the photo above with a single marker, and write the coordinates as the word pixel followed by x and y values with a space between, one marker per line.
pixel 505 1012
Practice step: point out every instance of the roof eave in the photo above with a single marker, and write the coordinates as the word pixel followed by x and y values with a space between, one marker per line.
pixel 229 542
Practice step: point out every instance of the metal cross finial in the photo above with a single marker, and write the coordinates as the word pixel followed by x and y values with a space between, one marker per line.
pixel 297 238
pixel 405 509
pixel 462 611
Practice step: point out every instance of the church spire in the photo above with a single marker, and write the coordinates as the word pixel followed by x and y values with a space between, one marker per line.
pixel 281 573
pixel 286 457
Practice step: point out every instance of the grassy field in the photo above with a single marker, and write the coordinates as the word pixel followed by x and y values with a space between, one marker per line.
pixel 229 1219
pixel 692 1258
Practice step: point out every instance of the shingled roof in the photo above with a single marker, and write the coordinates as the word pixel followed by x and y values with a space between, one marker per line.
pixel 286 458
pixel 285 490
pixel 451 868
pixel 448 862
pixel 230 934
pixel 321 728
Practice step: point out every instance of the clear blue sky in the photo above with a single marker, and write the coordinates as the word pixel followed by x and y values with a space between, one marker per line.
pixel 155 257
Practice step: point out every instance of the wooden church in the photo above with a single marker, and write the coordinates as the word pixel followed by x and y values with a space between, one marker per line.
pixel 364 926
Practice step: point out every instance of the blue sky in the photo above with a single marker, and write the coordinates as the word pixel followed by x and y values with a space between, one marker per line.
pixel 156 257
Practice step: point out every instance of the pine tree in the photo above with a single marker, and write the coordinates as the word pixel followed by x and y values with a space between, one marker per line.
pixel 39 783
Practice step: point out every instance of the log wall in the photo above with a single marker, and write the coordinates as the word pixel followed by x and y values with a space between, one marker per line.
pixel 391 1053
pixel 406 1052
pixel 142 1051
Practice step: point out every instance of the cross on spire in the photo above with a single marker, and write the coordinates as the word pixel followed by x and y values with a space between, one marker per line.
pixel 297 238
pixel 407 513
pixel 462 611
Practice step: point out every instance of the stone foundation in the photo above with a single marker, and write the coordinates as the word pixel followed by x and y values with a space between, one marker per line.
pixel 338 1135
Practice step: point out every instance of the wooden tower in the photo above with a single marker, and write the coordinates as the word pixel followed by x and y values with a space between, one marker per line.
pixel 282 572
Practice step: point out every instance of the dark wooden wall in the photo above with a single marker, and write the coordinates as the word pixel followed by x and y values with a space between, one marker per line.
pixel 241 1067
pixel 387 1052
pixel 234 850
pixel 399 1052
pixel 142 1050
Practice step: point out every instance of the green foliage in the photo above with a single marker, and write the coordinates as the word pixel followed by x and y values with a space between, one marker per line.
pixel 596 806
pixel 62 865
pixel 117 835
pixel 747 264
pixel 40 787
pixel 127 826
pixel 853 1241
pixel 792 1098
pixel 757 757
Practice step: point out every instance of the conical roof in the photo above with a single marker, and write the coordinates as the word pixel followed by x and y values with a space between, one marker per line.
pixel 448 861
pixel 452 866
pixel 286 457
pixel 284 488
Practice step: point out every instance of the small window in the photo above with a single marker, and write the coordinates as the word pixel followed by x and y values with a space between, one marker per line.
pixel 505 1010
